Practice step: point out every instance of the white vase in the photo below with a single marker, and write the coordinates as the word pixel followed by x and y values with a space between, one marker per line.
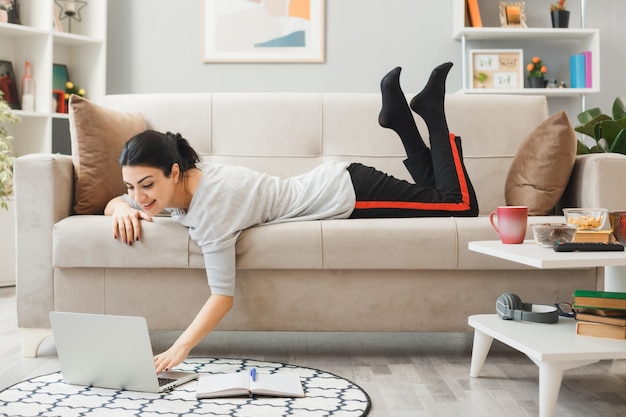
pixel 4 16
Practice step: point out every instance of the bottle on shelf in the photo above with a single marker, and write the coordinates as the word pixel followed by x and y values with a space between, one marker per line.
pixel 28 89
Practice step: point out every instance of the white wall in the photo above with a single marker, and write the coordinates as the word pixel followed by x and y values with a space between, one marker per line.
pixel 155 46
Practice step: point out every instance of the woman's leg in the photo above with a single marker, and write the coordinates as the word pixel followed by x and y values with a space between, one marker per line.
pixel 450 193
pixel 395 114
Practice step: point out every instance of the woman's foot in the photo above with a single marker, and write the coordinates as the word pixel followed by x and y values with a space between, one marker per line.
pixel 429 103
pixel 395 113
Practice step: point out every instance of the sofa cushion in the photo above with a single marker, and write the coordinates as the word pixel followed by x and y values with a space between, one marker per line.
pixel 97 136
pixel 542 166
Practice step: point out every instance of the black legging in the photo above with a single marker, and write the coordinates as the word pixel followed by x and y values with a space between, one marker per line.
pixel 441 185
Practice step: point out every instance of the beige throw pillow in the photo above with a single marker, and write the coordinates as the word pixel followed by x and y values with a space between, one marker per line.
pixel 97 135
pixel 542 166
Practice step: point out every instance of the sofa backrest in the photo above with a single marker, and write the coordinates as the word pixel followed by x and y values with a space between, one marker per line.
pixel 286 134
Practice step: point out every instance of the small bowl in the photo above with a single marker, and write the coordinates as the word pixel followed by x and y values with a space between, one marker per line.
pixel 585 218
pixel 618 225
pixel 547 233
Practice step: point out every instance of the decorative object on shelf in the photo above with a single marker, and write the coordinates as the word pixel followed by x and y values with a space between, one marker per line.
pixel 513 14
pixel 473 13
pixel 502 68
pixel 536 73
pixel 9 11
pixel 6 152
pixel 28 88
pixel 481 77
pixel 263 31
pixel 8 87
pixel 559 14
pixel 608 132
pixel 5 6
pixel 70 9
pixel 70 89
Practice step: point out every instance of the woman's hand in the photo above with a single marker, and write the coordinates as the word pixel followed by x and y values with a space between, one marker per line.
pixel 126 220
pixel 207 318
pixel 172 357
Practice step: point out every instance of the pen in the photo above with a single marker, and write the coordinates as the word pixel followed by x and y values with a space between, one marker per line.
pixel 253 374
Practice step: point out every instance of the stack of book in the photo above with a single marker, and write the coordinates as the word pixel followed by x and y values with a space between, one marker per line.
pixel 600 313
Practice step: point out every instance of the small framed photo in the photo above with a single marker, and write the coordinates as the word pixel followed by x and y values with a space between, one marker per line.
pixel 496 68
pixel 513 14
pixel 8 86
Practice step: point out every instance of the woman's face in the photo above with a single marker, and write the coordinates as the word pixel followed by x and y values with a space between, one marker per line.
pixel 150 188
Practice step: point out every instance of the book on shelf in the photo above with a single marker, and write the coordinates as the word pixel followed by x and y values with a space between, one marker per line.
pixel 238 384
pixel 474 13
pixel 600 330
pixel 588 62
pixel 577 71
pixel 601 236
pixel 603 300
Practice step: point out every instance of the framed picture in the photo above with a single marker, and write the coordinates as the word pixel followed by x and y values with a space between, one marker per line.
pixel 496 68
pixel 13 10
pixel 8 85
pixel 263 31
pixel 513 14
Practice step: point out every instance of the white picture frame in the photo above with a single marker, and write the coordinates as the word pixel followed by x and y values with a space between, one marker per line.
pixel 503 68
pixel 267 31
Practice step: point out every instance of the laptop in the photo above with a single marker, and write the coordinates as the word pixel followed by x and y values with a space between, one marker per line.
pixel 109 351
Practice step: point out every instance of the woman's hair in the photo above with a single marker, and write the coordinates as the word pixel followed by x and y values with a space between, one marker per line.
pixel 159 150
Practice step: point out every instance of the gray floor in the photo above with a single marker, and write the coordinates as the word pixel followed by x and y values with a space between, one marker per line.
pixel 420 374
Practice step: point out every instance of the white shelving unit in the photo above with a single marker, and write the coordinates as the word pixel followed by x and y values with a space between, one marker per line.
pixel 83 50
pixel 564 41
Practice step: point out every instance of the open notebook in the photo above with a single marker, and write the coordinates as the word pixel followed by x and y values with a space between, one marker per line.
pixel 239 384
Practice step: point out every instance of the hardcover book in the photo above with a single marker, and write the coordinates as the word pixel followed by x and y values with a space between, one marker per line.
pixel 577 71
pixel 600 330
pixel 599 300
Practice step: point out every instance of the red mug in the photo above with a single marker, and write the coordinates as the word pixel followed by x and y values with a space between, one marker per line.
pixel 511 223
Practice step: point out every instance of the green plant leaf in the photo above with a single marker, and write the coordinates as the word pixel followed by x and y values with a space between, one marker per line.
pixel 582 149
pixel 588 128
pixel 588 115
pixel 609 129
pixel 619 144
pixel 619 110
pixel 603 145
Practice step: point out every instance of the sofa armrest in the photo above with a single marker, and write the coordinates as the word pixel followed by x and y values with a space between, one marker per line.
pixel 43 195
pixel 596 181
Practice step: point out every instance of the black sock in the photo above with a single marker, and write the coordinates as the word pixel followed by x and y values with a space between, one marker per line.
pixel 429 103
pixel 395 113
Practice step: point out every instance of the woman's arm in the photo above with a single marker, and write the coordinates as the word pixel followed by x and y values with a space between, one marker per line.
pixel 211 313
pixel 126 224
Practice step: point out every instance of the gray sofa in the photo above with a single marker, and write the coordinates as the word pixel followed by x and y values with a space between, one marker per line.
pixel 333 275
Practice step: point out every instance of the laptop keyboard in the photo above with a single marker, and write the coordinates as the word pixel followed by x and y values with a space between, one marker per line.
pixel 165 381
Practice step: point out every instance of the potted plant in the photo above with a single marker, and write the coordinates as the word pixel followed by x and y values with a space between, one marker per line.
pixel 608 132
pixel 559 14
pixel 6 153
pixel 536 73
pixel 481 77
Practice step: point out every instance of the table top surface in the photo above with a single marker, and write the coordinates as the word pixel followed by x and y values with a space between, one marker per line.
pixel 531 254
pixel 549 342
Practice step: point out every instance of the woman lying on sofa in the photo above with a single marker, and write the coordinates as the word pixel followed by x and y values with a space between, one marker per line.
pixel 216 202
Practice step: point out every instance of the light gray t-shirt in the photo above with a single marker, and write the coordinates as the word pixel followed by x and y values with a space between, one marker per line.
pixel 230 199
